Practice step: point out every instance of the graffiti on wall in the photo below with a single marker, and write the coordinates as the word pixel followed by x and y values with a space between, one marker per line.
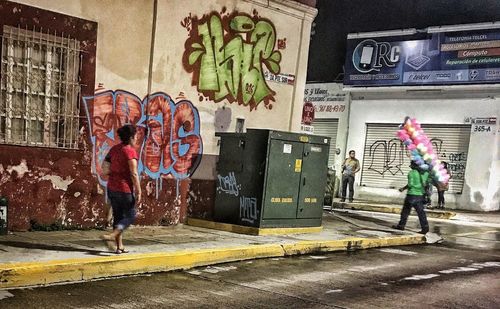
pixel 282 43
pixel 228 184
pixel 387 157
pixel 227 54
pixel 456 164
pixel 392 152
pixel 168 132
pixel 248 209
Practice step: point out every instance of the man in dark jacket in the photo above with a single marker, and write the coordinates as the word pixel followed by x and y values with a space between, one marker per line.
pixel 417 182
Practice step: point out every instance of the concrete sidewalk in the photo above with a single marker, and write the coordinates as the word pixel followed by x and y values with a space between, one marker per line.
pixel 391 208
pixel 40 258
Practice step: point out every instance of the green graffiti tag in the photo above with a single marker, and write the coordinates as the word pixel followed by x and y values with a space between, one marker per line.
pixel 226 56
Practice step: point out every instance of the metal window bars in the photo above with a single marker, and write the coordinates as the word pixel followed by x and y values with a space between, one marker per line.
pixel 40 88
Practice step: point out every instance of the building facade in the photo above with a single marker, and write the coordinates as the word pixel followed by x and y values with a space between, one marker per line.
pixel 448 78
pixel 74 71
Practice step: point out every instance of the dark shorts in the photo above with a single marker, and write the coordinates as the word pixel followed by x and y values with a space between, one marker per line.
pixel 123 205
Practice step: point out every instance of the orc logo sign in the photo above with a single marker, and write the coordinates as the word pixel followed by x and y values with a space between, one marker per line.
pixel 370 55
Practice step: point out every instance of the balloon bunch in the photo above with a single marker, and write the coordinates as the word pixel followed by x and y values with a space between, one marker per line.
pixel 420 147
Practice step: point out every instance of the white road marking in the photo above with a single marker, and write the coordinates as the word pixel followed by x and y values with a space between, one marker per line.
pixel 5 294
pixel 421 277
pixel 398 251
pixel 333 291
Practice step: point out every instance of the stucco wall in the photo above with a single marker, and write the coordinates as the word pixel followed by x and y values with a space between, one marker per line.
pixel 481 189
pixel 124 31
pixel 123 38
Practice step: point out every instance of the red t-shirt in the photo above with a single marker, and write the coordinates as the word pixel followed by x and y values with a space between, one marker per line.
pixel 120 179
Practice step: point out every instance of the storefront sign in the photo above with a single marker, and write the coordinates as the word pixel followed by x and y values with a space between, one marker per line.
pixel 482 124
pixel 307 113
pixel 288 79
pixel 448 58
pixel 326 99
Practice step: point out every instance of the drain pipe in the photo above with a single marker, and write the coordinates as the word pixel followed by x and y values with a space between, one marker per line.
pixel 151 55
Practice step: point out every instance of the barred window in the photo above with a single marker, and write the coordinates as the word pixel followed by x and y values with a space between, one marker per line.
pixel 39 100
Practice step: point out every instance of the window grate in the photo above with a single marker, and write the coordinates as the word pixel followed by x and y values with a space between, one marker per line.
pixel 40 88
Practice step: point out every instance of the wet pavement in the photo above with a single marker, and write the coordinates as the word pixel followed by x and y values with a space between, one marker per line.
pixel 461 272
pixel 474 230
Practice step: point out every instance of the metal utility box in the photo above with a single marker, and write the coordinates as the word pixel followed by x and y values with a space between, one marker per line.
pixel 270 178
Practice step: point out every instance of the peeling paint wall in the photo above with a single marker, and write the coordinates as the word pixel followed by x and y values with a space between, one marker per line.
pixel 54 185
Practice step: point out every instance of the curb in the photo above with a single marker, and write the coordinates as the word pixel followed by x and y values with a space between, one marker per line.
pixel 248 230
pixel 393 210
pixel 16 275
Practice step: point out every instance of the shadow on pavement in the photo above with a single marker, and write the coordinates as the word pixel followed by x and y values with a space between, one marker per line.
pixel 30 245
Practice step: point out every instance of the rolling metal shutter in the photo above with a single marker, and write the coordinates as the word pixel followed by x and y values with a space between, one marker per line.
pixel 386 160
pixel 329 128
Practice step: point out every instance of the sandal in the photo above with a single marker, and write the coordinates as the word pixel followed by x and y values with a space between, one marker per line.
pixel 120 251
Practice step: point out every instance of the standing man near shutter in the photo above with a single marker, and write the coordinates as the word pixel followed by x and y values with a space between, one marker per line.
pixel 349 168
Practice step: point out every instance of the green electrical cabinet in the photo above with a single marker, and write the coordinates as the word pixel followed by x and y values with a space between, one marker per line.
pixel 269 178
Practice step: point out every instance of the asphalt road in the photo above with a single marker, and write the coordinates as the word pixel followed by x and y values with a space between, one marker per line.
pixel 461 272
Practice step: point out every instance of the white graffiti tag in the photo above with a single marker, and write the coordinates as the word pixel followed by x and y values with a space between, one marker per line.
pixel 248 209
pixel 228 184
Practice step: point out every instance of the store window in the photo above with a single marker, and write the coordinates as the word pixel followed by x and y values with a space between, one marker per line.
pixel 39 100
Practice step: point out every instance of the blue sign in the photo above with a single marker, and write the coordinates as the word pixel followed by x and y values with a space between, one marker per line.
pixel 447 58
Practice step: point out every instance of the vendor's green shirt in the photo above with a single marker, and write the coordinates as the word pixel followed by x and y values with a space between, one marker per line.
pixel 417 182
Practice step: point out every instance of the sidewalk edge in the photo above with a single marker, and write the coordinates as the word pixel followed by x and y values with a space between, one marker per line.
pixel 15 275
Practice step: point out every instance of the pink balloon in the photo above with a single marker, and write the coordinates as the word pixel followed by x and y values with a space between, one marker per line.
pixel 412 147
pixel 401 134
pixel 404 136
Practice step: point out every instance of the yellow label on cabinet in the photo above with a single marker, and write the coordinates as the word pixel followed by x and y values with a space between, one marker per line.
pixel 281 200
pixel 304 139
pixel 310 200
pixel 298 165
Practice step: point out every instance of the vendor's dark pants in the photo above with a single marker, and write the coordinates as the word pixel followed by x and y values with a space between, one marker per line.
pixel 441 198
pixel 416 202
pixel 347 180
